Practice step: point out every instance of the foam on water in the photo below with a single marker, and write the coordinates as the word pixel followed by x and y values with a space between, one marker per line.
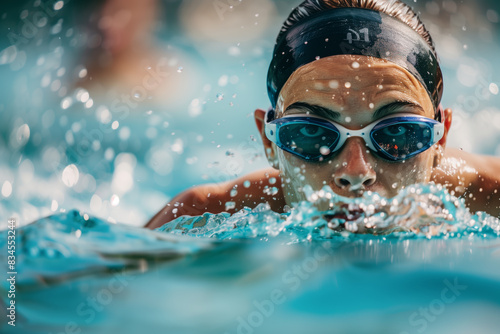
pixel 188 269
pixel 418 211
pixel 73 243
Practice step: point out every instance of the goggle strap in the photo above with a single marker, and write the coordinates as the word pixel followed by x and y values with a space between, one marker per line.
pixel 440 114
pixel 270 115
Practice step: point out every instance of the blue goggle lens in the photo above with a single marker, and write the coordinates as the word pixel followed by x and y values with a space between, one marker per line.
pixel 402 140
pixel 310 141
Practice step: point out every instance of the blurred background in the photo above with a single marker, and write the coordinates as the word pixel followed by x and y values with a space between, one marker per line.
pixel 113 107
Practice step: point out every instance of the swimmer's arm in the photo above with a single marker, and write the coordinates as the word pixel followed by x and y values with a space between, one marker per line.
pixel 474 177
pixel 213 197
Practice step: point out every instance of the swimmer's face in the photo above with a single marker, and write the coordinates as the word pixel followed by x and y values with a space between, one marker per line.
pixel 355 89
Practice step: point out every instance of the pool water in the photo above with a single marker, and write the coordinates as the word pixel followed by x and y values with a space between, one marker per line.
pixel 424 264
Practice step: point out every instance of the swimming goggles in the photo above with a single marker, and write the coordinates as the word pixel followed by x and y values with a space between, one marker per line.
pixel 396 137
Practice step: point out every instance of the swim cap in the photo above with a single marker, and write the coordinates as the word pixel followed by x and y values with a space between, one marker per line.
pixel 354 31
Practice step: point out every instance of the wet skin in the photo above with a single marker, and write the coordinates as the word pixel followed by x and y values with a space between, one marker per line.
pixel 354 92
pixel 354 168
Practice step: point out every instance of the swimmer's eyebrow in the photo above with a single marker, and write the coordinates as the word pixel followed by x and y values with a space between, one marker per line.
pixel 315 110
pixel 396 106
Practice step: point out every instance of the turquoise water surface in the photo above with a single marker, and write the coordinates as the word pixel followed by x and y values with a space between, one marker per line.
pixel 421 267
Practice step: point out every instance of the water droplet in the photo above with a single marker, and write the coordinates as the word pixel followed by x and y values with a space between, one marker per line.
pixel 348 119
pixel 23 134
pixel 234 51
pixel 180 69
pixel 70 175
pixel 178 146
pixel 246 184
pixel 371 105
pixel 324 150
pixel 394 185
pixel 6 189
pixel 58 5
pixel 109 154
pixel 54 205
pixel 317 57
pixel 233 192
pixel 195 108
pixel 223 80
pixel 124 133
pixel 220 97
pixel 66 103
pixel 355 64
pixel 82 95
pixel 494 88
pixel 230 205
pixel 272 180
pixel 82 73
pixel 115 200
pixel 347 85
pixel 334 84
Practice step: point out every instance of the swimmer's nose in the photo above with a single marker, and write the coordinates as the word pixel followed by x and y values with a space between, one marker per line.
pixel 355 173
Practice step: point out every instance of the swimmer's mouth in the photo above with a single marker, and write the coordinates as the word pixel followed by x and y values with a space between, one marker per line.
pixel 345 213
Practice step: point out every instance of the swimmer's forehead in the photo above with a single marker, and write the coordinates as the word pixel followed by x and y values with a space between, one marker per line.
pixel 345 82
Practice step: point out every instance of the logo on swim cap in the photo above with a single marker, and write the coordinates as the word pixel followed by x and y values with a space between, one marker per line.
pixel 363 31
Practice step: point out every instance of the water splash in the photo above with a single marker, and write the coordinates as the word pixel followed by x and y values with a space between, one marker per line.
pixel 426 211
pixel 72 243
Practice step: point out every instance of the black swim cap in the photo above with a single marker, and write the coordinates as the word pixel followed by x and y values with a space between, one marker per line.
pixel 354 31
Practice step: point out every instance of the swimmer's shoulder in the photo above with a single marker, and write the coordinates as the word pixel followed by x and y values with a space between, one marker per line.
pixel 262 186
pixel 474 177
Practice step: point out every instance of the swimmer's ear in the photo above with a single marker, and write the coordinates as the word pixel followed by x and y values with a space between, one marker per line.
pixel 269 147
pixel 447 125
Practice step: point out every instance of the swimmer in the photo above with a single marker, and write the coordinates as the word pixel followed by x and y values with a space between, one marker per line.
pixel 355 88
